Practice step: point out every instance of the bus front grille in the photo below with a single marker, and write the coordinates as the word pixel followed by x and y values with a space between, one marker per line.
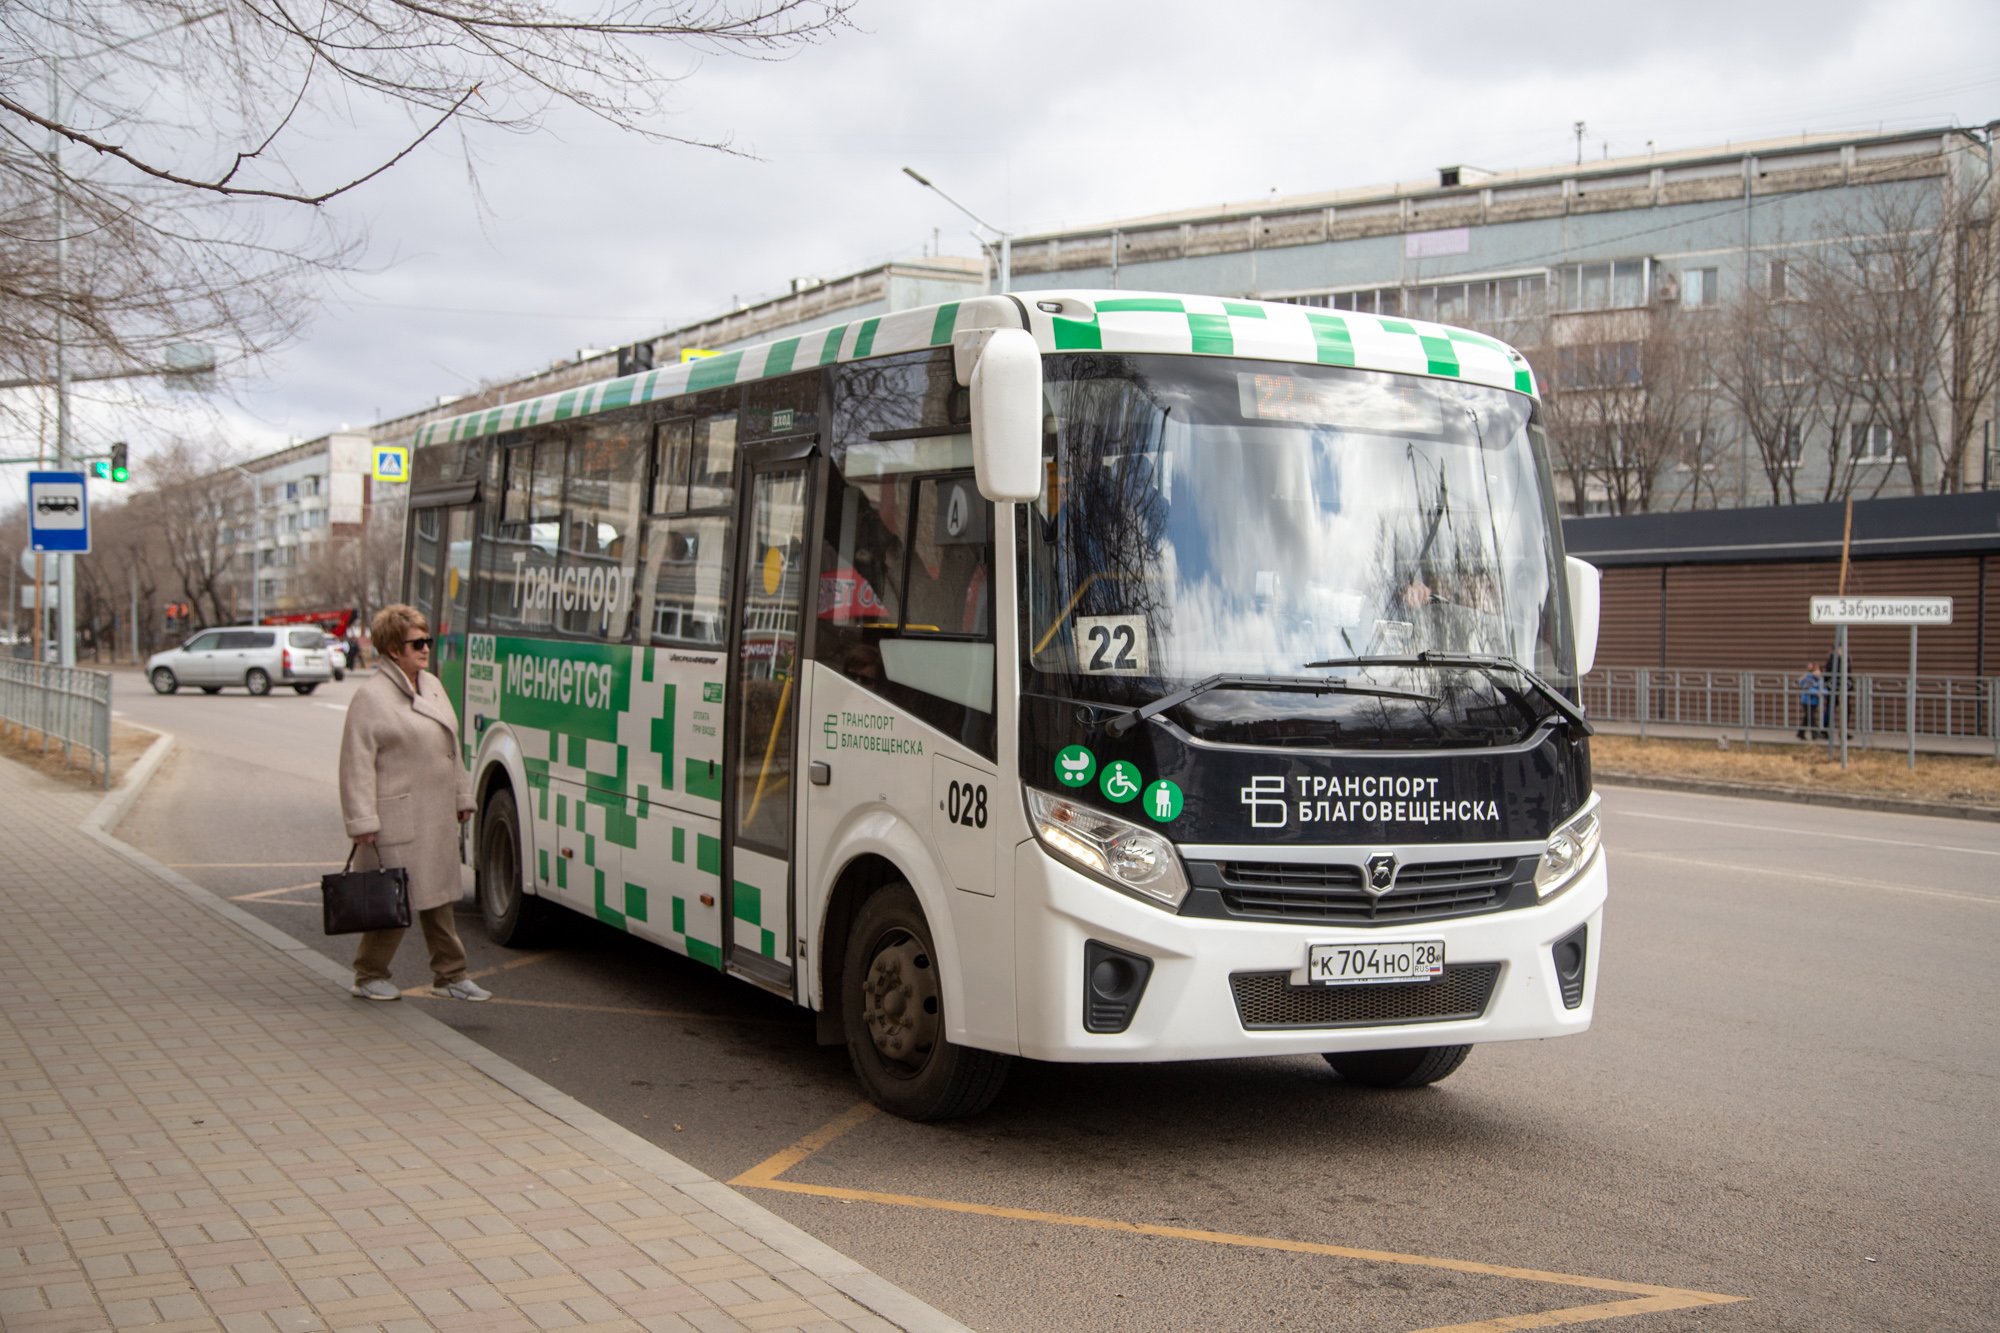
pixel 1269 1000
pixel 1279 891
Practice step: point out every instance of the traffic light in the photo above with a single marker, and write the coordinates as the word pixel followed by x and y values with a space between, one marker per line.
pixel 112 468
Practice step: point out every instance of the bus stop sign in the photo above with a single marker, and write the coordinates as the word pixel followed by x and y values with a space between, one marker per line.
pixel 58 512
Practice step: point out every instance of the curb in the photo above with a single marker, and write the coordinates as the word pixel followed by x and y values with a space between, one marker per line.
pixel 847 1276
pixel 1800 796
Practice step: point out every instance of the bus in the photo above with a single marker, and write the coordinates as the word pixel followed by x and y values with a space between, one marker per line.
pixel 1077 676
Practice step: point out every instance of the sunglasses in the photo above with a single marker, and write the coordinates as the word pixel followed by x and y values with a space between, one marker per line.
pixel 422 645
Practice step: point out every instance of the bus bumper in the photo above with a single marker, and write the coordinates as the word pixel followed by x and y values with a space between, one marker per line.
pixel 1189 1009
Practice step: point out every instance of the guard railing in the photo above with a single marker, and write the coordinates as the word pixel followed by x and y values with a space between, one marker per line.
pixel 1879 705
pixel 65 707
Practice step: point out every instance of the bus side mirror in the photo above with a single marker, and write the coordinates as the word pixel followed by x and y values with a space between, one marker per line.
pixel 1006 383
pixel 1585 584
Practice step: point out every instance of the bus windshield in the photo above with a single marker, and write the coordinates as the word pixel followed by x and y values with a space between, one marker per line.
pixel 1209 516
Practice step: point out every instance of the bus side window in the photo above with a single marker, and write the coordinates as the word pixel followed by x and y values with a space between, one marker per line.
pixel 685 566
pixel 950 589
pixel 600 527
pixel 905 595
pixel 520 539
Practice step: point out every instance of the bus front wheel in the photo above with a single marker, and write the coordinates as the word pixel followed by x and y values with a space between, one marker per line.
pixel 892 1010
pixel 1412 1068
pixel 513 919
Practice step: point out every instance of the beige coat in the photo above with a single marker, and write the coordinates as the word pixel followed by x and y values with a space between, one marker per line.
pixel 400 779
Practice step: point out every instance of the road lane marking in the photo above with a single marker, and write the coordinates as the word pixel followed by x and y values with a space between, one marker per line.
pixel 423 992
pixel 243 865
pixel 1846 837
pixel 1648 1298
pixel 1738 868
pixel 271 895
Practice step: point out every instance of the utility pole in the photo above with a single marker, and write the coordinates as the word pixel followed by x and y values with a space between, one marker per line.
pixel 65 562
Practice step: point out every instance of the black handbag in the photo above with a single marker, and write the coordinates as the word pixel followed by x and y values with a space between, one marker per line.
pixel 353 901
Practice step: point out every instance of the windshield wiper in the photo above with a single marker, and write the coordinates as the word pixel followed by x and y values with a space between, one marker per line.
pixel 1491 665
pixel 1125 721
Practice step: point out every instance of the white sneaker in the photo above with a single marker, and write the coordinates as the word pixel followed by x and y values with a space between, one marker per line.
pixel 465 988
pixel 377 990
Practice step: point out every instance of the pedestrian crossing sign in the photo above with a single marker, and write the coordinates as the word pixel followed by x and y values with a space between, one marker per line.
pixel 392 463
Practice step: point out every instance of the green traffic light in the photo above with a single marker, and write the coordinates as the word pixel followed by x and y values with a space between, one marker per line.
pixel 102 469
pixel 121 474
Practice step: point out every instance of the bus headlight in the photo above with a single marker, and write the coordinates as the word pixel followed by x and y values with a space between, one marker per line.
pixel 1125 856
pixel 1570 849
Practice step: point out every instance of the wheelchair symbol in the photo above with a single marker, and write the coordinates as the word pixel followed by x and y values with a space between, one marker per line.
pixel 1120 781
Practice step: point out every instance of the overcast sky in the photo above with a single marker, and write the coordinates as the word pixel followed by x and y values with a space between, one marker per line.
pixel 1036 115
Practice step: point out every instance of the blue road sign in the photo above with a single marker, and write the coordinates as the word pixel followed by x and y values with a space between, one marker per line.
pixel 58 512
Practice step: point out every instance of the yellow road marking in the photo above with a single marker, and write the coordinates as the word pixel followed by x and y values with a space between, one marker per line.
pixel 1648 1297
pixel 1837 880
pixel 765 1174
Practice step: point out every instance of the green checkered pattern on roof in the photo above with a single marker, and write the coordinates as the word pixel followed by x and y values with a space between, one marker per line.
pixel 1114 322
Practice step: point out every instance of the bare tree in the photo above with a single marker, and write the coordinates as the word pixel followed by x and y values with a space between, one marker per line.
pixel 1763 368
pixel 1902 294
pixel 333 575
pixel 1626 400
pixel 201 509
pixel 380 550
pixel 191 131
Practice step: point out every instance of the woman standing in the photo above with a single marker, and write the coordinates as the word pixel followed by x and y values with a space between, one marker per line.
pixel 401 785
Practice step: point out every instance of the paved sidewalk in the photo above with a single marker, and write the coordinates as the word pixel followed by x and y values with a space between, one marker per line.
pixel 200 1129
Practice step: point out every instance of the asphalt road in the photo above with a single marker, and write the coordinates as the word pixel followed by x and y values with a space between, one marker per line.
pixel 1788 1098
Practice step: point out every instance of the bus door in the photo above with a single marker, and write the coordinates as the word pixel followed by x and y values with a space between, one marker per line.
pixel 767 654
pixel 440 586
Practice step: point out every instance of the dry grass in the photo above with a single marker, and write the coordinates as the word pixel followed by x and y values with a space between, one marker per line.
pixel 128 744
pixel 1946 779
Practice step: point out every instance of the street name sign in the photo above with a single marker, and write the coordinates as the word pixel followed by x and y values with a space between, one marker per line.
pixel 1881 610
pixel 58 512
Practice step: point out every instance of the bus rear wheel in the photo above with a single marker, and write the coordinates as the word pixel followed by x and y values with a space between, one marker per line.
pixel 513 919
pixel 892 1010
pixel 1412 1068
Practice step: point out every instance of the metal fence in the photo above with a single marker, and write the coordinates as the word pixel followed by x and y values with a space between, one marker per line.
pixel 67 707
pixel 1878 706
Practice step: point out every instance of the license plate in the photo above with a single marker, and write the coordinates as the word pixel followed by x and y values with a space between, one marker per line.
pixel 1363 964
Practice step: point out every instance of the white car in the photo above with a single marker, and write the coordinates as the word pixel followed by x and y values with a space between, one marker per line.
pixel 255 657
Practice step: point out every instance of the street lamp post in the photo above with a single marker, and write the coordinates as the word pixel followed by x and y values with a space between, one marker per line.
pixel 256 542
pixel 1006 238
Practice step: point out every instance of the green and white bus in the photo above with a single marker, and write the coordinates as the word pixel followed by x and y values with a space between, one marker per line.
pixel 1085 676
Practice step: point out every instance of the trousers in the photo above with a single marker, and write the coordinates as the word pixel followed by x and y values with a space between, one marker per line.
pixel 377 947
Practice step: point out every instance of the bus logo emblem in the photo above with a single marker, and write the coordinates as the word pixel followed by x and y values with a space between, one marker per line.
pixel 1381 874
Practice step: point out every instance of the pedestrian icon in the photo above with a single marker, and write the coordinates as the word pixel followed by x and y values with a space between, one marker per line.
pixel 1163 801
pixel 392 463
pixel 1075 766
pixel 1121 781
